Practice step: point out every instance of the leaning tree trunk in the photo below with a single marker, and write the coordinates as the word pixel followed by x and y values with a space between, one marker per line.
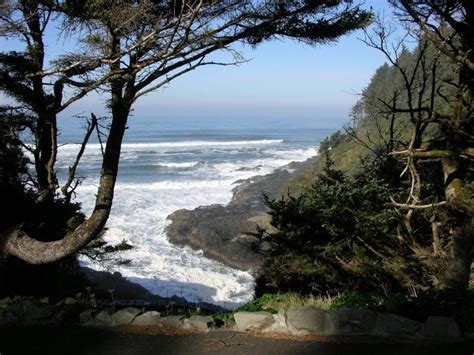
pixel 457 270
pixel 15 242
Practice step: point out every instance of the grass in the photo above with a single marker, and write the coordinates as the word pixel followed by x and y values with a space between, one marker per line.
pixel 275 302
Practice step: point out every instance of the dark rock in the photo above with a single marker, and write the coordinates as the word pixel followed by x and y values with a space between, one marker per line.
pixel 29 313
pixel 86 318
pixel 279 324
pixel 104 319
pixel 225 232
pixel 44 300
pixel 172 321
pixel 391 324
pixel 350 321
pixel 441 328
pixel 70 301
pixel 125 316
pixel 31 309
pixel 252 320
pixel 201 323
pixel 247 168
pixel 147 318
pixel 305 320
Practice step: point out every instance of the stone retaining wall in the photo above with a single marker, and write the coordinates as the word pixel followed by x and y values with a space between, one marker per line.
pixel 297 321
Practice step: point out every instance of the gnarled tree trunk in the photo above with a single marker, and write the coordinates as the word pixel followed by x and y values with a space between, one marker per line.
pixel 16 242
pixel 457 271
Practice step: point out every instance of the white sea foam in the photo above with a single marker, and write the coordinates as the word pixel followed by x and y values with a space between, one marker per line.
pixel 141 207
pixel 183 144
pixel 164 185
pixel 183 165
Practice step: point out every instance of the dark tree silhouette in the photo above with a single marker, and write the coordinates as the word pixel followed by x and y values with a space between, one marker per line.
pixel 133 48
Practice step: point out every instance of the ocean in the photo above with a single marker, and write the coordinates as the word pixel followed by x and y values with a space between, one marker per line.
pixel 182 163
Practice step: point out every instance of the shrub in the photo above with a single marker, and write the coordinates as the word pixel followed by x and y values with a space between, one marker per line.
pixel 340 235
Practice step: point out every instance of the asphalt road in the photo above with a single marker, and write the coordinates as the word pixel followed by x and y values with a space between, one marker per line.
pixel 92 341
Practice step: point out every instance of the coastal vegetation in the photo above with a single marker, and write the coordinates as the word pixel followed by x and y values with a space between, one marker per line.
pixel 384 219
pixel 387 209
pixel 124 60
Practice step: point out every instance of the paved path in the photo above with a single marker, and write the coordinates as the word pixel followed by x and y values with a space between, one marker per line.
pixel 92 341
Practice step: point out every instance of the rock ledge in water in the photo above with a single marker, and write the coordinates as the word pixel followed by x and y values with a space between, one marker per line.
pixel 224 232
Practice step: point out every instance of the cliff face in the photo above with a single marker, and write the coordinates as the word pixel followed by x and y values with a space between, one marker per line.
pixel 223 232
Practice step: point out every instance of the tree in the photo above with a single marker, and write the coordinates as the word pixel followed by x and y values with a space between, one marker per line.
pixel 158 42
pixel 38 95
pixel 433 17
pixel 12 160
pixel 338 236
pixel 436 98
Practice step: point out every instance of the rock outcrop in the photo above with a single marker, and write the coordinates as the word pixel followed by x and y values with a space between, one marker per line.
pixel 223 233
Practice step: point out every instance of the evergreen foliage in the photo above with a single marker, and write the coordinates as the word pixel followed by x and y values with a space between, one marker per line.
pixel 12 160
pixel 159 42
pixel 339 235
pixel 342 233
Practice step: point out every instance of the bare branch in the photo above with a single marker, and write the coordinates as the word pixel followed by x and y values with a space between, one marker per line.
pixel 91 126
pixel 416 207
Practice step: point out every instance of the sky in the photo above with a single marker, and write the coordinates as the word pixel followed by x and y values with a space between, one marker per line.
pixel 282 78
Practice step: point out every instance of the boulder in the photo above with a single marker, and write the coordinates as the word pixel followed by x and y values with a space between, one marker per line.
pixel 393 325
pixel 125 316
pixel 172 321
pixel 104 319
pixel 350 322
pixel 64 315
pixel 33 310
pixel 147 318
pixel 86 318
pixel 201 323
pixel 305 320
pixel 70 301
pixel 252 320
pixel 29 313
pixel 278 325
pixel 442 328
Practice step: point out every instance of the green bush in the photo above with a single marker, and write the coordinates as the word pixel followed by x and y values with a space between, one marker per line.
pixel 354 300
pixel 259 304
pixel 332 141
pixel 339 236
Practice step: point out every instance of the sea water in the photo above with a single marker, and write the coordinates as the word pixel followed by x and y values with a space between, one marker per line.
pixel 169 164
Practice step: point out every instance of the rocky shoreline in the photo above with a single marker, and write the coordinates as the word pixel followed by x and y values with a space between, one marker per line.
pixel 224 232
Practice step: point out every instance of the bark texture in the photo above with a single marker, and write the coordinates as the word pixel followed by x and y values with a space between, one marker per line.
pixel 19 244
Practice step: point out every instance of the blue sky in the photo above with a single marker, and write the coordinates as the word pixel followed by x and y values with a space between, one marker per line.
pixel 282 79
